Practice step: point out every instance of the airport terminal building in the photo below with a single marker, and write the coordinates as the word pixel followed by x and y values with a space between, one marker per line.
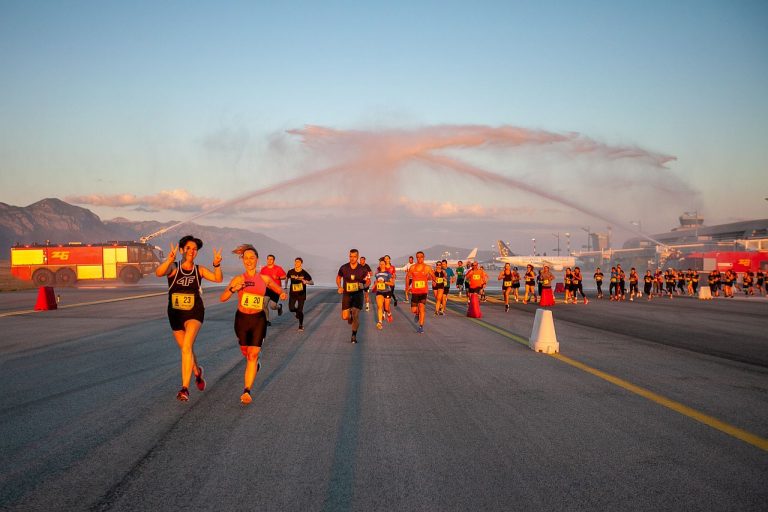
pixel 690 245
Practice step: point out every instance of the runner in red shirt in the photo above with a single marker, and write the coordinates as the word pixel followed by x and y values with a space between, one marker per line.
pixel 416 283
pixel 277 274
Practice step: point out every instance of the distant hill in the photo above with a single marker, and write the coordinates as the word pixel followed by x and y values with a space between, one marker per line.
pixel 59 222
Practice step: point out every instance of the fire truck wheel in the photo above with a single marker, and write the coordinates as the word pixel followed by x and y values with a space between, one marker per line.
pixel 130 275
pixel 65 277
pixel 43 277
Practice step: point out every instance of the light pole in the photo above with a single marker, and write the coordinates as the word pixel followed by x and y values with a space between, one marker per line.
pixel 534 246
pixel 558 242
pixel 568 241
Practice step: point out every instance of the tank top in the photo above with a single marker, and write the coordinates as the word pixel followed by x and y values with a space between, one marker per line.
pixel 440 279
pixel 184 289
pixel 507 280
pixel 251 297
pixel 419 282
pixel 380 281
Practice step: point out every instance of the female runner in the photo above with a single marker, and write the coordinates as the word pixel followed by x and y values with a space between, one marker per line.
pixel 547 278
pixel 578 285
pixel 438 285
pixel 505 276
pixel 648 281
pixel 568 285
pixel 186 311
pixel 250 319
pixel 530 284
pixel 383 286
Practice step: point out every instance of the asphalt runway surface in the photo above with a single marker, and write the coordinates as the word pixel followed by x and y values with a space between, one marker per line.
pixel 658 405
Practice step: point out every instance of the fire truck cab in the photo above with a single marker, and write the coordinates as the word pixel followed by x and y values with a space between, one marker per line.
pixel 65 264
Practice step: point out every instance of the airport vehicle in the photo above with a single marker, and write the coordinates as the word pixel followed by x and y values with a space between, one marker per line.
pixel 554 262
pixel 65 264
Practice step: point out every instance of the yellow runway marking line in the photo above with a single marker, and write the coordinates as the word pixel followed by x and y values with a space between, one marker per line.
pixel 79 304
pixel 710 421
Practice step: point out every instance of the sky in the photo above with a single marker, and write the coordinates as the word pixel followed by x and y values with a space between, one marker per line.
pixel 390 126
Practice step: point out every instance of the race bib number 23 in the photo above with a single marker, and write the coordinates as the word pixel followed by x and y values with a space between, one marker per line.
pixel 182 301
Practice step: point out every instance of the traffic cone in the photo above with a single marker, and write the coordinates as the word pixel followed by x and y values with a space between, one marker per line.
pixel 543 337
pixel 705 293
pixel 473 310
pixel 46 299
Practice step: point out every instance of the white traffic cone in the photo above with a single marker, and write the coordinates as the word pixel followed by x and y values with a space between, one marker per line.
pixel 705 293
pixel 543 337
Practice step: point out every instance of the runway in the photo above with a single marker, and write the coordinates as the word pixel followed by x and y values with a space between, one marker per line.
pixel 463 417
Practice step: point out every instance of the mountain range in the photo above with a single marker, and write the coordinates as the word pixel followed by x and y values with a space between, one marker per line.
pixel 56 221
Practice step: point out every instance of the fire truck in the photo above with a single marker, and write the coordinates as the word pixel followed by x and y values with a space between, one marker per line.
pixel 65 264
pixel 738 261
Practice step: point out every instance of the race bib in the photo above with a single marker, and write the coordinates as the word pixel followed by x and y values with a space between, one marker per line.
pixel 546 282
pixel 507 283
pixel 353 287
pixel 298 287
pixel 252 301
pixel 183 301
pixel 381 286
pixel 439 280
pixel 420 284
pixel 476 277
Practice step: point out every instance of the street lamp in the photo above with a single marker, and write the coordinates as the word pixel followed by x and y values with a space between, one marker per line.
pixel 568 241
pixel 558 242
pixel 534 246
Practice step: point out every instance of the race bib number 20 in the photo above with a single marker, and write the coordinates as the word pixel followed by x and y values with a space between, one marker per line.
pixel 252 301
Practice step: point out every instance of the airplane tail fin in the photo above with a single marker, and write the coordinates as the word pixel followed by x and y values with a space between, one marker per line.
pixel 472 254
pixel 503 249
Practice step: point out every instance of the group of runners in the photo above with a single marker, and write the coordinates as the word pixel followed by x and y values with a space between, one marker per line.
pixel 255 290
pixel 260 290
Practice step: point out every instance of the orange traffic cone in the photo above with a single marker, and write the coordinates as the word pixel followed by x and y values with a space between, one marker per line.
pixel 46 299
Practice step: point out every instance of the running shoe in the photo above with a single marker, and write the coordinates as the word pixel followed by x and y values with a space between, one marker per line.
pixel 245 398
pixel 183 395
pixel 437 313
pixel 379 326
pixel 367 307
pixel 415 318
pixel 301 328
pixel 420 330
pixel 199 380
pixel 506 307
pixel 354 339
pixel 269 324
pixel 279 309
pixel 389 317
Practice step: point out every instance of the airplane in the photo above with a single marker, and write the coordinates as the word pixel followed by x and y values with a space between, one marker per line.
pixel 451 263
pixel 554 262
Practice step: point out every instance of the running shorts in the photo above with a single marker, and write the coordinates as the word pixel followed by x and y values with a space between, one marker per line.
pixel 418 298
pixel 352 300
pixel 250 328
pixel 177 317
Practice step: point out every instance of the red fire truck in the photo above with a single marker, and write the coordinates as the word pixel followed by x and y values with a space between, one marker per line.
pixel 738 261
pixel 65 264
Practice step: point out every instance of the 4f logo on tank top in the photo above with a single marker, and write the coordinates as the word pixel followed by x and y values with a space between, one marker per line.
pixel 186 280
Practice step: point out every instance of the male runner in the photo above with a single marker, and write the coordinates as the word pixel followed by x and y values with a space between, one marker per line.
pixel 407 268
pixel 351 280
pixel 277 274
pixel 365 290
pixel 460 277
pixel 391 269
pixel 299 279
pixel 416 282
